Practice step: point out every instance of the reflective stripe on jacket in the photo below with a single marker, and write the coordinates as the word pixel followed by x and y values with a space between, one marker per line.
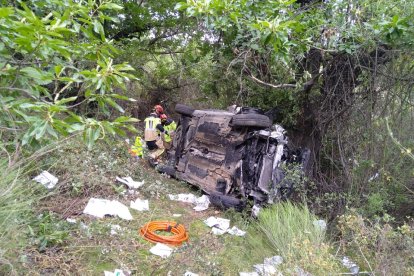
pixel 170 130
pixel 151 132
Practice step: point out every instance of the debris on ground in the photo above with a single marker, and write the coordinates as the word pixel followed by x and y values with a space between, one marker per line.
pixel 132 184
pixel 236 232
pixel 189 273
pixel 255 211
pixel 117 272
pixel 46 179
pixel 269 266
pixel 177 215
pixel 248 274
pixel 162 250
pixel 101 207
pixel 349 264
pixel 219 226
pixel 201 202
pixel 140 204
pixel 320 224
pixel 115 229
pixel 71 220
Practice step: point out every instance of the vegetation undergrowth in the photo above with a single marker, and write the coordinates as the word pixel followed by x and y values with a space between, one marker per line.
pixel 293 232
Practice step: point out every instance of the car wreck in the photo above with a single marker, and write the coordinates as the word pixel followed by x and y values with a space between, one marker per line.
pixel 232 155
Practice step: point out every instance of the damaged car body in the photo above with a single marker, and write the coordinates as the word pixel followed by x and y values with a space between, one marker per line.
pixel 232 155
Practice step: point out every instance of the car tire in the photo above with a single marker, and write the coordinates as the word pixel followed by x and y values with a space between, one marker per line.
pixel 253 120
pixel 184 110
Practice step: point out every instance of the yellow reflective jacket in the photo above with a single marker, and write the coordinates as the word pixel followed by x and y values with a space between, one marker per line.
pixel 170 130
pixel 136 149
pixel 151 132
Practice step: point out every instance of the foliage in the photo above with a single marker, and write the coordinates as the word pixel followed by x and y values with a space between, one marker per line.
pixel 55 61
pixel 376 245
pixel 290 231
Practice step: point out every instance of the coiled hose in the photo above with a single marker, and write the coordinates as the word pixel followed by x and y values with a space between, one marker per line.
pixel 180 234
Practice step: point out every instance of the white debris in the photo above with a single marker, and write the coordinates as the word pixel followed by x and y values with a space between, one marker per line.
pixel 46 179
pixel 220 223
pixel 101 207
pixel 248 274
pixel 348 263
pixel 71 220
pixel 217 231
pixel 188 198
pixel 269 266
pixel 236 232
pixel 115 229
pixel 130 182
pixel 372 178
pixel 117 272
pixel 177 215
pixel 140 204
pixel 161 250
pixel 255 211
pixel 320 224
pixel 188 273
pixel 201 202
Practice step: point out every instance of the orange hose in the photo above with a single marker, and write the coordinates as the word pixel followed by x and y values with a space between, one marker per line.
pixel 180 234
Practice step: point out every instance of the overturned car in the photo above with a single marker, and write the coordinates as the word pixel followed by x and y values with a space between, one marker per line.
pixel 232 155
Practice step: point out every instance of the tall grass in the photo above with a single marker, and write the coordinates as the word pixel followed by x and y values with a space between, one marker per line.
pixel 288 230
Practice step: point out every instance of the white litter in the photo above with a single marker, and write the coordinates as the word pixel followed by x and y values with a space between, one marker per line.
pixel 201 202
pixel 130 182
pixel 255 211
pixel 115 229
pixel 101 207
pixel 177 215
pixel 117 272
pixel 71 220
pixel 236 232
pixel 188 198
pixel 140 204
pixel 46 179
pixel 248 274
pixel 217 231
pixel 348 263
pixel 320 224
pixel 188 273
pixel 161 250
pixel 220 223
pixel 269 266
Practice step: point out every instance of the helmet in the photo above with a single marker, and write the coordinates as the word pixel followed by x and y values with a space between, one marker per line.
pixel 158 108
pixel 163 117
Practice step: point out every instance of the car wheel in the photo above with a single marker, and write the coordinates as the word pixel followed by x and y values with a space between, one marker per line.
pixel 184 110
pixel 253 120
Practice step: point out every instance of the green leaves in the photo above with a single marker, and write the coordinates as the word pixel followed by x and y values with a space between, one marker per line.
pixel 55 58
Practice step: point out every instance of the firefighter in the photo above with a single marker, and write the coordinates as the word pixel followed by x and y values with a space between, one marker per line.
pixel 152 137
pixel 169 127
pixel 136 149
pixel 158 109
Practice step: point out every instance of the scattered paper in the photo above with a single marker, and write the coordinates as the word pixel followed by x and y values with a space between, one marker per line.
pixel 46 179
pixel 348 263
pixel 130 182
pixel 236 232
pixel 269 266
pixel 115 229
pixel 201 202
pixel 188 273
pixel 71 220
pixel 177 215
pixel 101 207
pixel 255 211
pixel 188 198
pixel 320 224
pixel 117 272
pixel 248 274
pixel 220 223
pixel 162 250
pixel 140 204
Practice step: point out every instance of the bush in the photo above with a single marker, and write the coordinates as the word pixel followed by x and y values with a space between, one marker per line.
pixel 290 231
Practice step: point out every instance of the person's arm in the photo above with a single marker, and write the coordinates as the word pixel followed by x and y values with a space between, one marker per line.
pixel 160 128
